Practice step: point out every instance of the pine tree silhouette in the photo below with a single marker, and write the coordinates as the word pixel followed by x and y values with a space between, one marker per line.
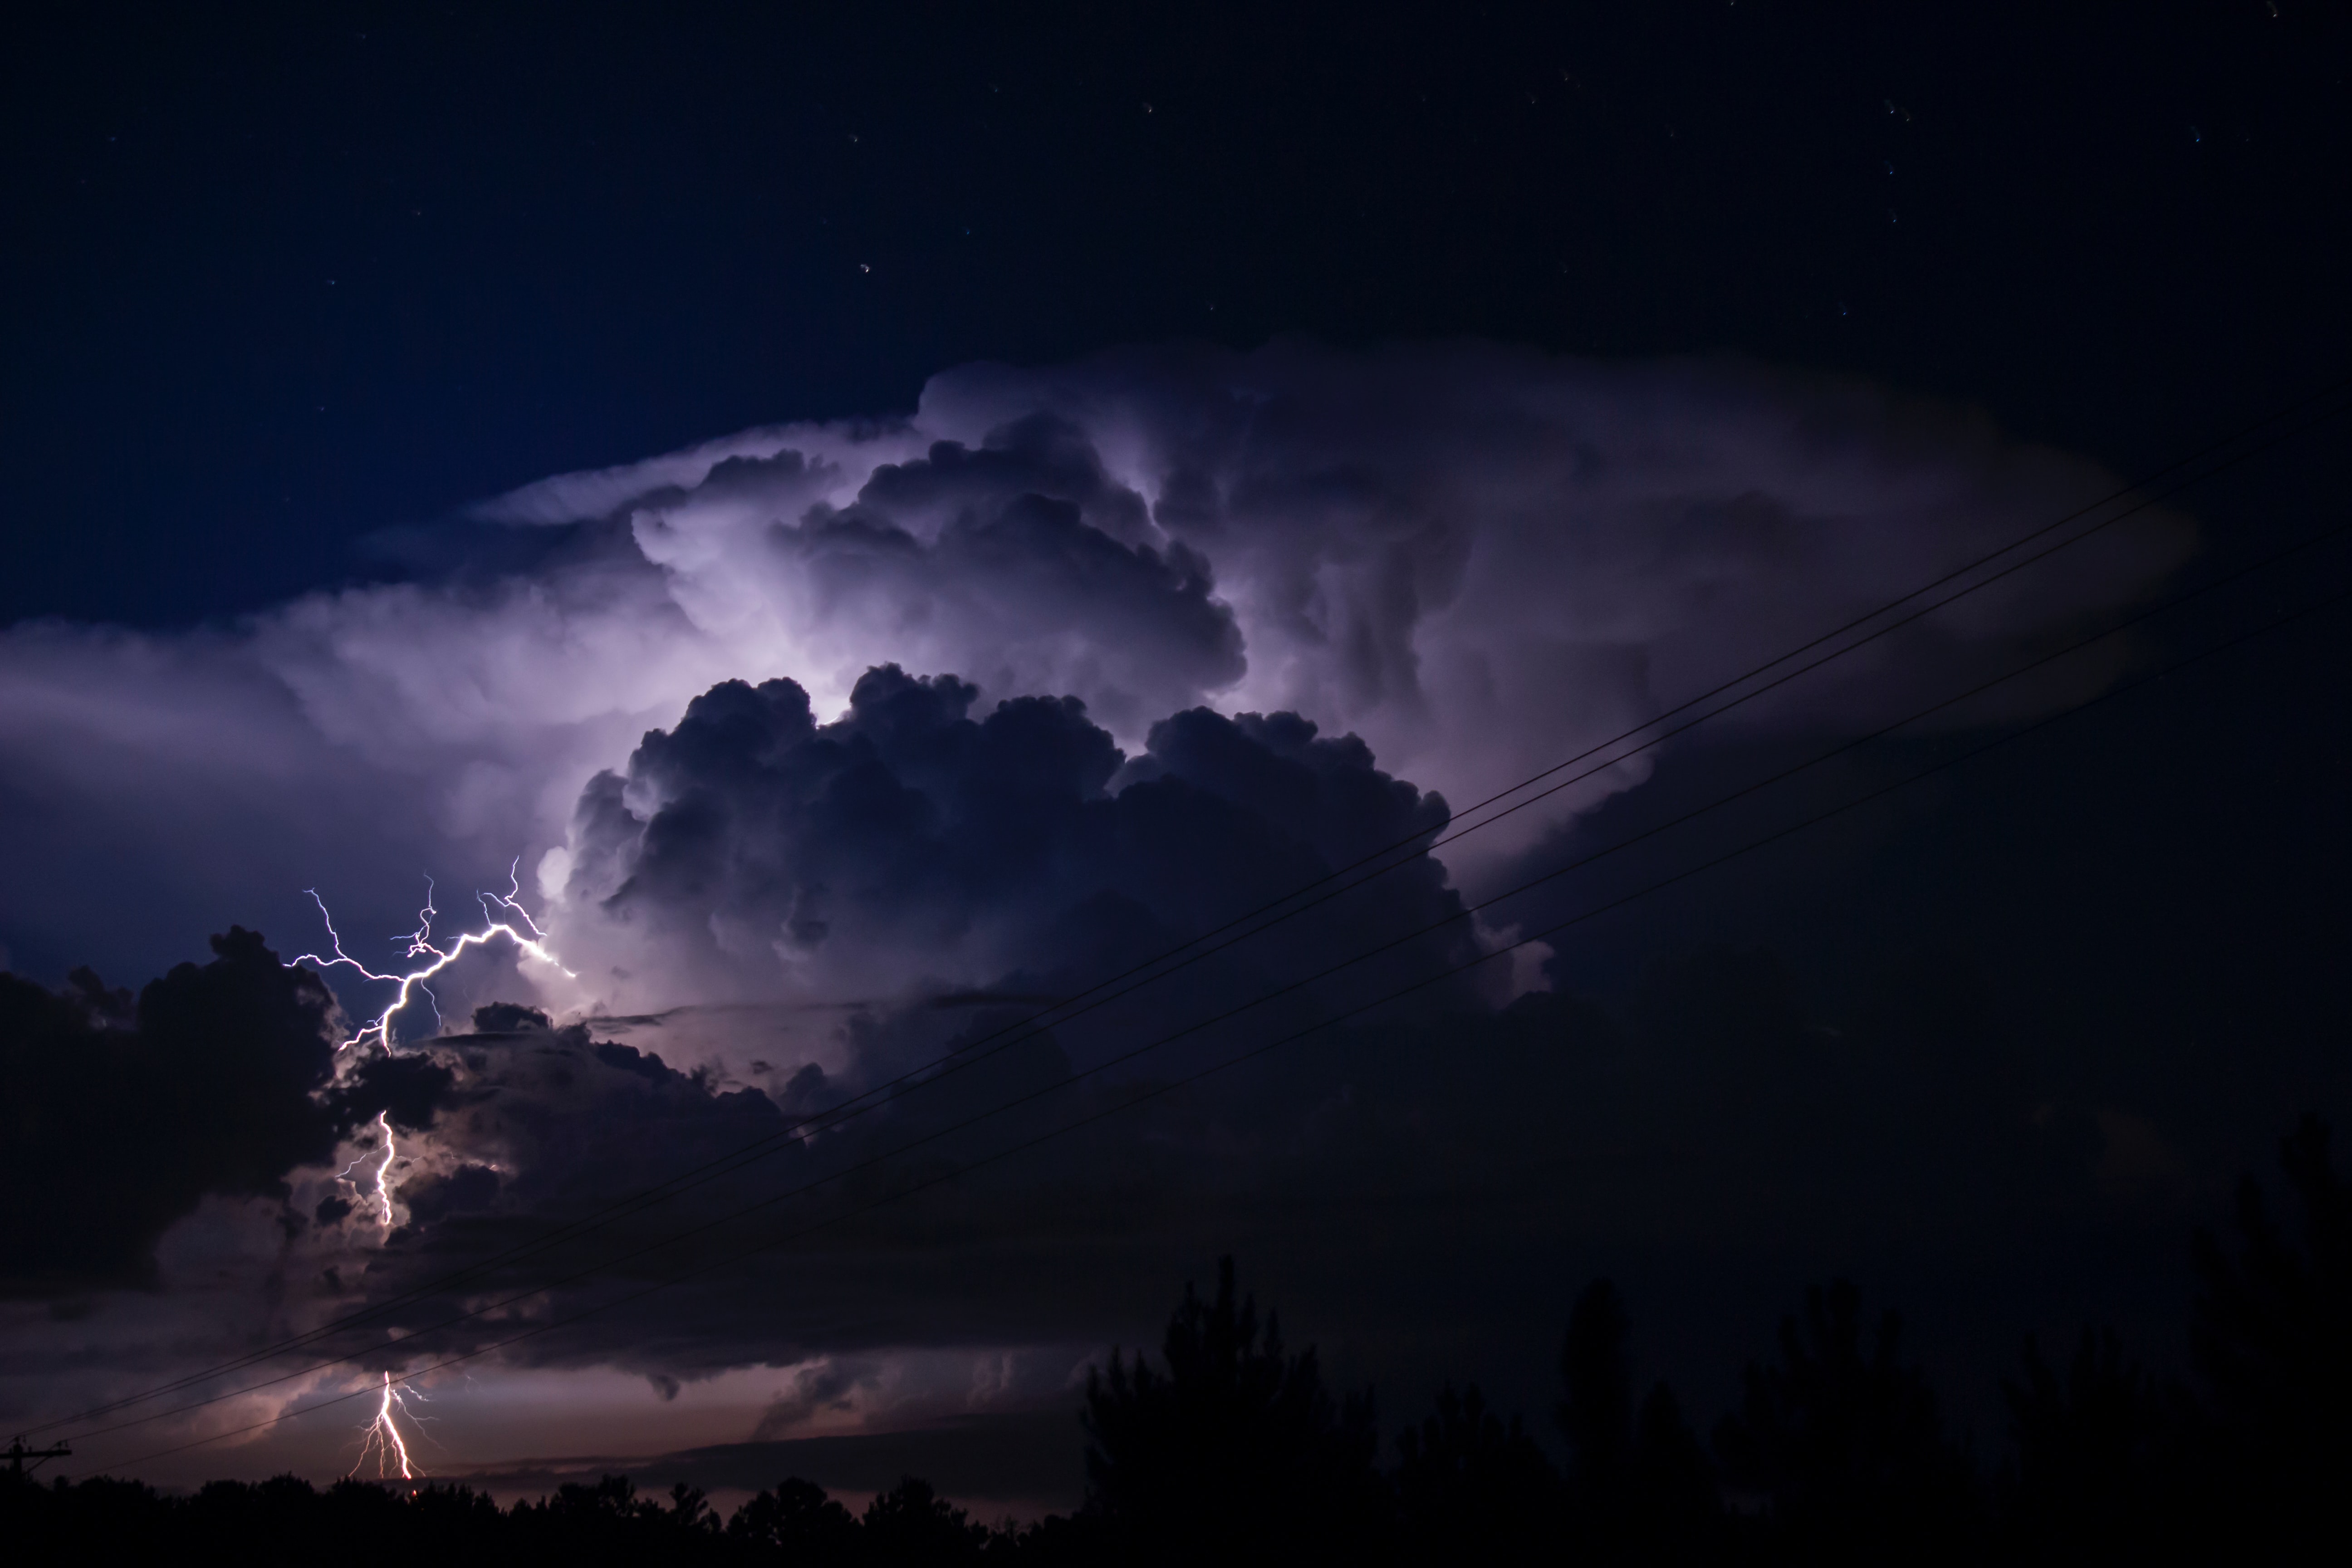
pixel 1234 1453
pixel 1468 1484
pixel 1639 1485
pixel 798 1524
pixel 914 1525
pixel 1845 1445
pixel 1596 1407
pixel 2089 1454
pixel 2271 1339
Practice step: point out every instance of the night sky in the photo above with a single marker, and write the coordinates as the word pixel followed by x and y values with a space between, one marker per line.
pixel 887 519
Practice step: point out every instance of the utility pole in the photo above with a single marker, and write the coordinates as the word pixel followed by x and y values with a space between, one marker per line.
pixel 16 1453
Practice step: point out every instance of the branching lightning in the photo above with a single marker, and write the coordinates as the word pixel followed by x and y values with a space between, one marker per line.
pixel 381 1440
pixel 502 914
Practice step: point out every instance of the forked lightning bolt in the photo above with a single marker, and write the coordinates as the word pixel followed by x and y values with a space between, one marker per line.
pixel 516 922
pixel 381 1440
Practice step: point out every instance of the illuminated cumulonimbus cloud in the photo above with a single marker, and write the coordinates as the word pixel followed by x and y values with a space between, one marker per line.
pixel 1477 559
pixel 1469 555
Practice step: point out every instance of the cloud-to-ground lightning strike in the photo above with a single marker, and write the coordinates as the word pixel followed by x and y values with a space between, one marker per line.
pixel 513 927
pixel 381 1438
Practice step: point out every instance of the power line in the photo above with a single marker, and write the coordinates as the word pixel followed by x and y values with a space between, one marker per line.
pixel 1240 1059
pixel 891 1090
pixel 1230 1013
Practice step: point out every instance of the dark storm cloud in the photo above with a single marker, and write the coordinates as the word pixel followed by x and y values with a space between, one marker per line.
pixel 511 1146
pixel 120 1115
pixel 408 1090
pixel 1021 852
pixel 1419 1191
pixel 1706 1118
pixel 909 840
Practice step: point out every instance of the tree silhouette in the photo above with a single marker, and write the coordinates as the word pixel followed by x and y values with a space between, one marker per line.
pixel 1845 1445
pixel 1676 1502
pixel 2271 1339
pixel 796 1523
pixel 1638 1486
pixel 1234 1453
pixel 1596 1407
pixel 609 1523
pixel 2085 1481
pixel 1468 1483
pixel 912 1524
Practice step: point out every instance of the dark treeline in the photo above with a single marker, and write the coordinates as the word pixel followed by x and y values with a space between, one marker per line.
pixel 1233 1449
